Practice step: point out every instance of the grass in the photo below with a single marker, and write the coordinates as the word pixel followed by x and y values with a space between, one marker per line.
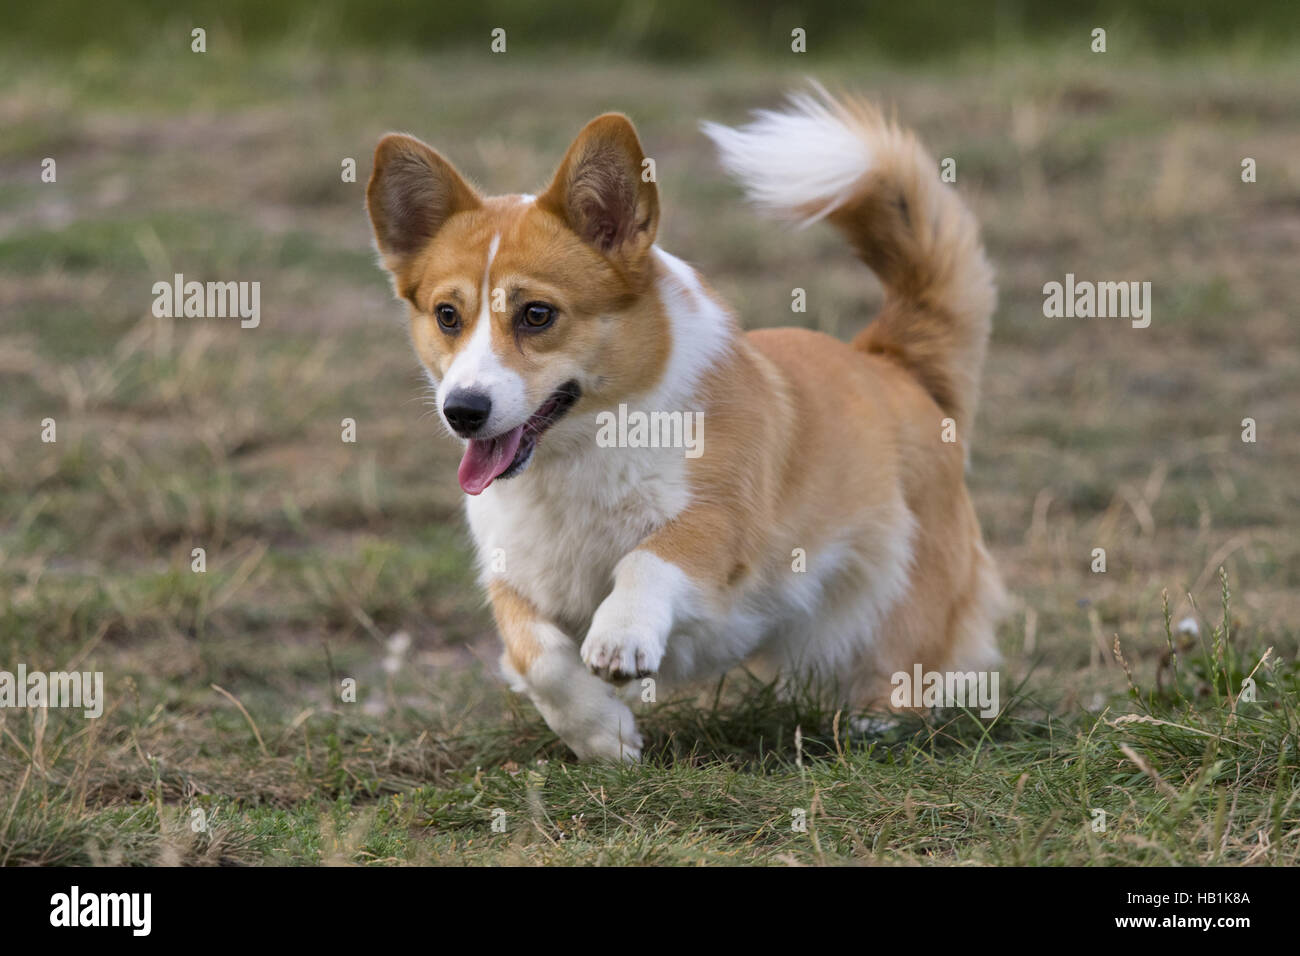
pixel 1179 782
pixel 225 738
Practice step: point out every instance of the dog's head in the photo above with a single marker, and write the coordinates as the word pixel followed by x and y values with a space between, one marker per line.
pixel 522 308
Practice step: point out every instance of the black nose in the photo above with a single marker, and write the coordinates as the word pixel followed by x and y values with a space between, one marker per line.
pixel 466 411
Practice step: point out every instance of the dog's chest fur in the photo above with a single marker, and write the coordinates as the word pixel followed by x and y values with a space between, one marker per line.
pixel 555 533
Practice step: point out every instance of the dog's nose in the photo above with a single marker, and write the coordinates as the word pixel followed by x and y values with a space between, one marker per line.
pixel 466 411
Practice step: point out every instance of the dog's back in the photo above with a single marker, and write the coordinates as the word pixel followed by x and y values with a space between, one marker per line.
pixel 881 429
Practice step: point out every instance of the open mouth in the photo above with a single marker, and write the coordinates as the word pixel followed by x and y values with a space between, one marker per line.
pixel 506 455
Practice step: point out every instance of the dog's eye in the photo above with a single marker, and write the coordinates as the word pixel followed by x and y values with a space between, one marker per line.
pixel 538 315
pixel 448 317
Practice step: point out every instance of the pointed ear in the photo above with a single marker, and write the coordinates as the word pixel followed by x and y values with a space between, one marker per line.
pixel 599 190
pixel 412 192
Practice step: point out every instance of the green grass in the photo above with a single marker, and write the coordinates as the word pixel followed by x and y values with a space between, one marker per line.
pixel 329 561
pixel 1190 774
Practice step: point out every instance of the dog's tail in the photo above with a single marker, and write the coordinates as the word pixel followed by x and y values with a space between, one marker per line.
pixel 845 162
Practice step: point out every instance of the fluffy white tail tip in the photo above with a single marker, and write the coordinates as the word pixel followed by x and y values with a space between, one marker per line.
pixel 798 164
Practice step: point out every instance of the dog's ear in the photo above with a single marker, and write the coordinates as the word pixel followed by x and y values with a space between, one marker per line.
pixel 412 192
pixel 604 193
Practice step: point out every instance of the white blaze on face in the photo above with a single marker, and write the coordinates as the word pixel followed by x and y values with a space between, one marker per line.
pixel 478 368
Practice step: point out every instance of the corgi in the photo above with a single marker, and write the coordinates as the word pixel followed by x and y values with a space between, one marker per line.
pixel 823 530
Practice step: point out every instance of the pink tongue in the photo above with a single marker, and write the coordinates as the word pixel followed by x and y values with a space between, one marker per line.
pixel 485 458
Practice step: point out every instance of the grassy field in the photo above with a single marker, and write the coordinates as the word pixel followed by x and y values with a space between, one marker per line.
pixel 224 738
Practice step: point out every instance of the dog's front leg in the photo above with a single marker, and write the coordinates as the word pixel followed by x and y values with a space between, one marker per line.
pixel 542 661
pixel 629 632
pixel 682 572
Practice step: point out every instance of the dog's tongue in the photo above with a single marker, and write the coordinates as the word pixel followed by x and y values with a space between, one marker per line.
pixel 485 458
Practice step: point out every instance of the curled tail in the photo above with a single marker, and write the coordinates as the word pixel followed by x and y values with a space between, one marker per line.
pixel 843 161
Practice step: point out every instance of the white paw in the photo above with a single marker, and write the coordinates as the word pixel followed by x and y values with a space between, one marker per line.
pixel 623 744
pixel 629 631
pixel 586 713
pixel 619 650
pixel 596 724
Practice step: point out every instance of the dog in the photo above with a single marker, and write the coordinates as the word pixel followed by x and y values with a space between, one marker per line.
pixel 823 530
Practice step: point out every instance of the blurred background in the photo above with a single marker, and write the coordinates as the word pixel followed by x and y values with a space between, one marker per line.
pixel 327 559
pixel 671 30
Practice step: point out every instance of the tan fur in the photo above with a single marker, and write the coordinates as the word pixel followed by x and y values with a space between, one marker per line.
pixel 786 472
pixel 923 243
pixel 515 617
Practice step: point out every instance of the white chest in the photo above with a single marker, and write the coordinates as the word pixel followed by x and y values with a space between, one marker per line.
pixel 555 533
